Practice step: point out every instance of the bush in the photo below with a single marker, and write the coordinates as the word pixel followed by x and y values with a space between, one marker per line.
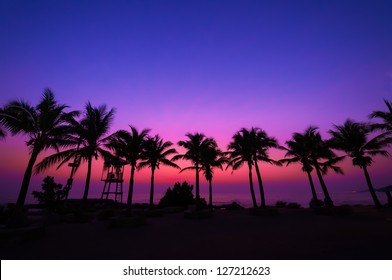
pixel 51 193
pixel 180 195
pixel 293 205
pixel 280 204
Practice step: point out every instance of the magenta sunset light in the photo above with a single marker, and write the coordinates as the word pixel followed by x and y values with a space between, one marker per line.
pixel 202 66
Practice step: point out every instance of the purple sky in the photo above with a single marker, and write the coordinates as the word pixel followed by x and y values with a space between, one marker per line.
pixel 207 66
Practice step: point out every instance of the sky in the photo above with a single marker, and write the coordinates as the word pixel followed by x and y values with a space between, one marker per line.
pixel 201 66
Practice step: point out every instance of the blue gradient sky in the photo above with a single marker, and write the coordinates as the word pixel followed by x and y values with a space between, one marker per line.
pixel 207 66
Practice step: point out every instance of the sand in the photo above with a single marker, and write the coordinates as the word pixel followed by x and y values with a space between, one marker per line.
pixel 292 234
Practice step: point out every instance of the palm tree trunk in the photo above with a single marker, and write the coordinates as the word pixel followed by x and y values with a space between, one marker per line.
pixel 314 195
pixel 210 191
pixel 25 183
pixel 152 188
pixel 252 191
pixel 87 186
pixel 371 189
pixel 328 201
pixel 197 184
pixel 130 192
pixel 262 197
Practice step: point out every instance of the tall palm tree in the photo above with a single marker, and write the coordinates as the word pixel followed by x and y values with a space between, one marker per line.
pixel 212 158
pixel 155 152
pixel 298 152
pixel 320 150
pixel 261 143
pixel 88 136
pixel 129 145
pixel 240 153
pixel 385 126
pixel 45 125
pixel 195 146
pixel 353 138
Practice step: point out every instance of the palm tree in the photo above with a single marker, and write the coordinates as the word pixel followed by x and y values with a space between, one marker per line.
pixel 129 145
pixel 240 153
pixel 320 150
pixel 352 138
pixel 298 151
pixel 45 124
pixel 386 127
pixel 261 143
pixel 385 117
pixel 88 137
pixel 155 152
pixel 195 145
pixel 212 158
pixel 2 133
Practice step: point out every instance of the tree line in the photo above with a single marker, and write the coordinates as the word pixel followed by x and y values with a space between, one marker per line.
pixel 85 136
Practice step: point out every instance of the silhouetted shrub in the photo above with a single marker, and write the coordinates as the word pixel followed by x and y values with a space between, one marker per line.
pixel 280 204
pixel 202 202
pixel 232 206
pixel 179 195
pixel 293 205
pixel 51 193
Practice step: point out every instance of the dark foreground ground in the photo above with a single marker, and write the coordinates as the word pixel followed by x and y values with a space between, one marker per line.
pixel 292 234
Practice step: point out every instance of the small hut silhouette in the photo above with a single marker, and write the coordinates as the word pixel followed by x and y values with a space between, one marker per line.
pixel 112 173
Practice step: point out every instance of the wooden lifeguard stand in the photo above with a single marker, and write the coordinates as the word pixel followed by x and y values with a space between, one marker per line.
pixel 112 173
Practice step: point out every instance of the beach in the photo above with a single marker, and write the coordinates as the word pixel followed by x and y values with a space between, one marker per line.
pixel 299 234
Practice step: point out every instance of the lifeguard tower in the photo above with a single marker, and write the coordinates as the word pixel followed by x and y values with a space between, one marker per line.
pixel 112 173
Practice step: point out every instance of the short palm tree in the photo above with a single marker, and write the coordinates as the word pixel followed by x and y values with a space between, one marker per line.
pixel 261 143
pixel 155 152
pixel 129 146
pixel 240 153
pixel 212 158
pixel 88 136
pixel 195 146
pixel 45 124
pixel 353 138
pixel 385 126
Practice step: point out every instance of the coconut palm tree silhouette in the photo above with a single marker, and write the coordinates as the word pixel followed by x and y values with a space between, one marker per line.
pixel 88 136
pixel 261 143
pixel 129 146
pixel 385 127
pixel 353 138
pixel 212 158
pixel 320 150
pixel 45 125
pixel 155 153
pixel 251 146
pixel 195 146
pixel 298 152
pixel 240 153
